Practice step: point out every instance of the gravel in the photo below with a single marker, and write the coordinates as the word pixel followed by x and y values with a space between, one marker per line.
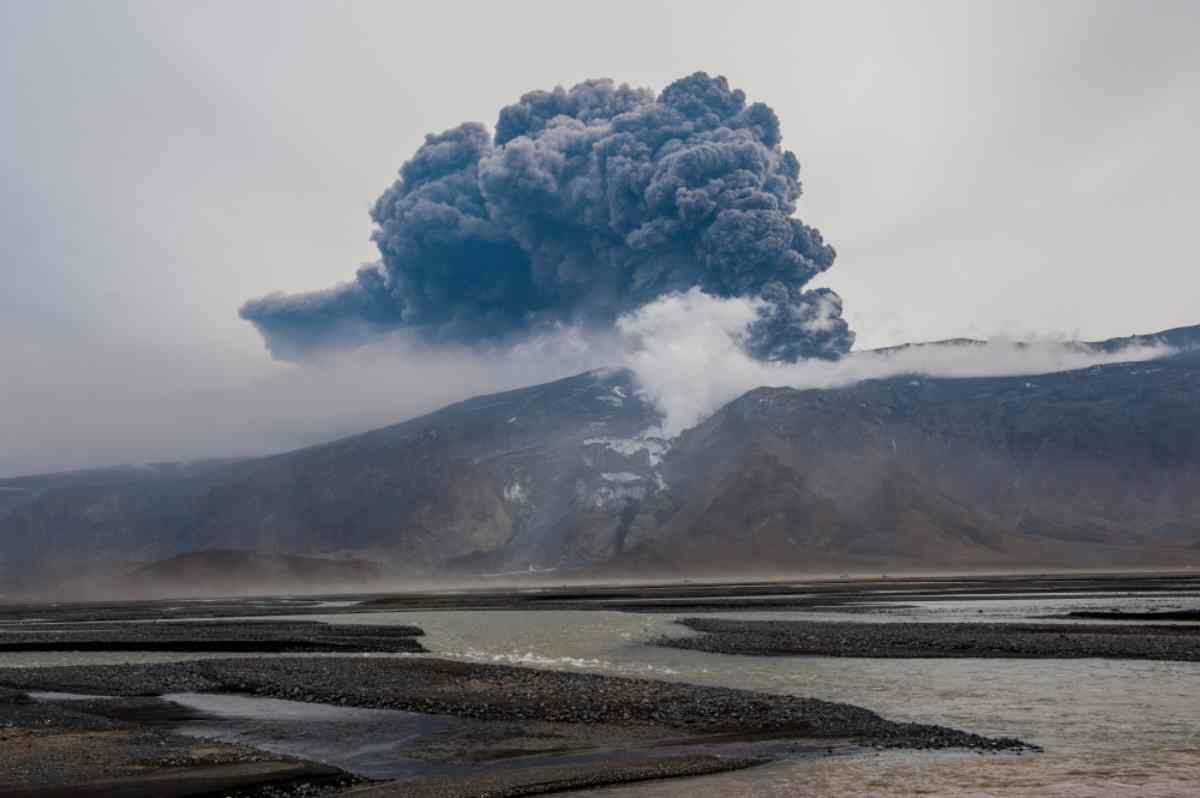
pixel 241 636
pixel 1122 615
pixel 501 693
pixel 909 640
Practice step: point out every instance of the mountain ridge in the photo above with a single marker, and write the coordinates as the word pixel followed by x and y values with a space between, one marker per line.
pixel 1088 468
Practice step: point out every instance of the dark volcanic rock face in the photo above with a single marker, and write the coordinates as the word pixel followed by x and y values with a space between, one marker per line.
pixel 539 477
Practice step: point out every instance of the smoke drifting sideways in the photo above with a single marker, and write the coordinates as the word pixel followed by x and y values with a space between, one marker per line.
pixel 688 354
pixel 583 205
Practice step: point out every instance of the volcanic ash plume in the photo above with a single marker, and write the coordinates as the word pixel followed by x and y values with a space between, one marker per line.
pixel 583 205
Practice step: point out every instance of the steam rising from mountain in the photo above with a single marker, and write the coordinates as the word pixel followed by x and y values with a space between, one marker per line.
pixel 689 355
pixel 581 206
pixel 610 225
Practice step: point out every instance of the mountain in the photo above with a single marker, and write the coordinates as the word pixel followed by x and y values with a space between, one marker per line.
pixel 1090 468
pixel 538 476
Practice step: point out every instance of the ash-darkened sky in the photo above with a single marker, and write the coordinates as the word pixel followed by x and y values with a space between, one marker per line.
pixel 1020 169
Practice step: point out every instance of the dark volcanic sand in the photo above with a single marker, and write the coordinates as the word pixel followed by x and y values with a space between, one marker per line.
pixel 1121 615
pixel 849 639
pixel 59 750
pixel 500 693
pixel 241 636
pixel 518 731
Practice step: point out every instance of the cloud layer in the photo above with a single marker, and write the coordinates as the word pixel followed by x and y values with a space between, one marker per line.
pixel 583 205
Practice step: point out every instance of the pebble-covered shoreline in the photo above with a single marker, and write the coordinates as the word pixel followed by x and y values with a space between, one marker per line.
pixel 502 693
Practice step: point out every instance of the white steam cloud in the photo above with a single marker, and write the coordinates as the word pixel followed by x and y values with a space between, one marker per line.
pixel 687 352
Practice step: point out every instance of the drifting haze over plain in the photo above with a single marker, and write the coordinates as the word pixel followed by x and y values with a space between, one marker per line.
pixel 981 168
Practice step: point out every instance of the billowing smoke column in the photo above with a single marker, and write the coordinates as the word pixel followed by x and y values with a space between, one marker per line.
pixel 584 205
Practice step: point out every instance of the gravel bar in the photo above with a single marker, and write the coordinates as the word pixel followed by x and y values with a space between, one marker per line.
pixel 916 640
pixel 503 693
pixel 242 636
pixel 1122 615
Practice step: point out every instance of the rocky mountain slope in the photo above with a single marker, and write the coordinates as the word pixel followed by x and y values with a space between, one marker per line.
pixel 1085 468
pixel 1089 468
pixel 538 476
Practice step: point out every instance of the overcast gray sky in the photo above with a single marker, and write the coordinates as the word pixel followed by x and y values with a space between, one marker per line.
pixel 1011 168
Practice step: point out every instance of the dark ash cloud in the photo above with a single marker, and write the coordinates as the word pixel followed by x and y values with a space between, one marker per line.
pixel 585 204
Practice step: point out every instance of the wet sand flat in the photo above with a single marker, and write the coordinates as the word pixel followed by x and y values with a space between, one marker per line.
pixel 551 779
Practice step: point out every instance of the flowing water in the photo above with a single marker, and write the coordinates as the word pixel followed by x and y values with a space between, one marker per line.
pixel 1109 727
pixel 1070 705
pixel 366 741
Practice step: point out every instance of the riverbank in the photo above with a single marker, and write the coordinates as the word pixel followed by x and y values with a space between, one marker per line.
pixel 61 751
pixel 505 729
pixel 506 694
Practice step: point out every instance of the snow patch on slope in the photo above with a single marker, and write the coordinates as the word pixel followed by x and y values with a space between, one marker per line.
pixel 647 440
pixel 515 493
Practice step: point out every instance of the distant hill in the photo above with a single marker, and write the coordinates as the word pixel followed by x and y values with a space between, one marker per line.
pixel 493 483
pixel 1097 467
